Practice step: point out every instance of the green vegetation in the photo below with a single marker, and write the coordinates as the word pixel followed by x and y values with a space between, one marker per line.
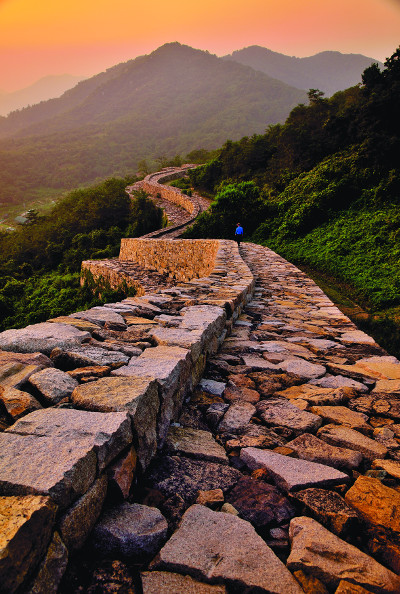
pixel 174 100
pixel 326 189
pixel 40 262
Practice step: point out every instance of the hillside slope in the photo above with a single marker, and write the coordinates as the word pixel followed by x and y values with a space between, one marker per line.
pixel 328 71
pixel 174 100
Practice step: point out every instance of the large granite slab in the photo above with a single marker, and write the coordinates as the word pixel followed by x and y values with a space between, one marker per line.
pixel 291 474
pixel 280 412
pixel 42 337
pixel 345 437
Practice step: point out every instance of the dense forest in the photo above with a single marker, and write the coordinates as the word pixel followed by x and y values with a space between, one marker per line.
pixel 326 186
pixel 40 262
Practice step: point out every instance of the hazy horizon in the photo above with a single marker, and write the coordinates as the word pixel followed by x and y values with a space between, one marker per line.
pixel 84 38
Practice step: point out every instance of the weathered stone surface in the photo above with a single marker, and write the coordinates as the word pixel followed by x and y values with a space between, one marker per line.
pixel 292 474
pixel 84 356
pixel 106 434
pixel 137 396
pixel 328 508
pixel 185 477
pixel 390 466
pixel 222 548
pixel 309 583
pixel 171 366
pixel 387 387
pixel 341 415
pixel 236 417
pixel 130 530
pixel 309 447
pixel 80 324
pixel 77 523
pixel 357 336
pixel 15 375
pixel 46 465
pixel 280 412
pixel 302 368
pixel 195 444
pixel 348 438
pixel 121 473
pixel 7 357
pixel 92 371
pixel 377 504
pixel 330 559
pixel 53 384
pixel 385 367
pixel 51 569
pixel 339 381
pixel 99 315
pixel 213 498
pixel 18 403
pixel 26 525
pixel 214 414
pixel 165 582
pixel 316 395
pixel 42 337
pixel 260 503
pixel 213 387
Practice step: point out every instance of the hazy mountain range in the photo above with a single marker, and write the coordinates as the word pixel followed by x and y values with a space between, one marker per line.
pixel 42 90
pixel 171 101
pixel 327 71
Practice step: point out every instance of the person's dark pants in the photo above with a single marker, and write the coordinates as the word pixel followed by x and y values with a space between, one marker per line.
pixel 238 239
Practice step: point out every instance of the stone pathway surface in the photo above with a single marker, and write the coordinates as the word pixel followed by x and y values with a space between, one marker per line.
pixel 280 474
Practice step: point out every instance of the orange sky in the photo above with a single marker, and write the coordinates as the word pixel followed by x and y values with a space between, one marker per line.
pixel 83 37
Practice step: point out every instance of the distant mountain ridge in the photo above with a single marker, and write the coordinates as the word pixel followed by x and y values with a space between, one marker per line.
pixel 172 101
pixel 328 71
pixel 48 87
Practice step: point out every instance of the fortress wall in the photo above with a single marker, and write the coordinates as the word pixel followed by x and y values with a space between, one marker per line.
pixel 183 259
pixel 61 462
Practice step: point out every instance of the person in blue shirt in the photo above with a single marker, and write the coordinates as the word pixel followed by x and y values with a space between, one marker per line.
pixel 239 233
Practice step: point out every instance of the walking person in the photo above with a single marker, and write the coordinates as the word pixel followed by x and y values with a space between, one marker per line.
pixel 239 233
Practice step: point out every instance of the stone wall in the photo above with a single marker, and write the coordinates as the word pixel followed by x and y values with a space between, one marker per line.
pixel 183 259
pixel 86 395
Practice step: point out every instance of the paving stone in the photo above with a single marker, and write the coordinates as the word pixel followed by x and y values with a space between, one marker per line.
pixel 99 315
pixel 328 508
pixel 236 417
pixel 348 588
pixel 376 504
pixel 15 375
pixel 136 396
pixel 321 553
pixel 18 403
pixel 260 503
pixel 309 447
pixel 77 523
pixel 46 465
pixel 349 438
pixel 341 415
pixel 292 474
pixel 53 384
pixel 317 396
pixel 85 356
pixel 52 568
pixel 171 367
pixel 26 525
pixel 339 381
pixel 91 371
pixel 130 530
pixel 303 369
pixel 222 548
pixel 194 443
pixel 39 359
pixel 165 582
pixel 186 477
pixel 108 434
pixel 80 324
pixel 356 336
pixel 213 387
pixel 280 412
pixel 213 498
pixel 42 337
pixel 390 466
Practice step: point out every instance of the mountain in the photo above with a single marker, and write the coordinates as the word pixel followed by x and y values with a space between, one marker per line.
pixel 327 71
pixel 42 90
pixel 173 100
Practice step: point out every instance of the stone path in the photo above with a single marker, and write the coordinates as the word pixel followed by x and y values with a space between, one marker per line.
pixel 280 473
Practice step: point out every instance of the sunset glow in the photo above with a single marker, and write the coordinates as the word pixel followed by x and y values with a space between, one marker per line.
pixel 85 37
